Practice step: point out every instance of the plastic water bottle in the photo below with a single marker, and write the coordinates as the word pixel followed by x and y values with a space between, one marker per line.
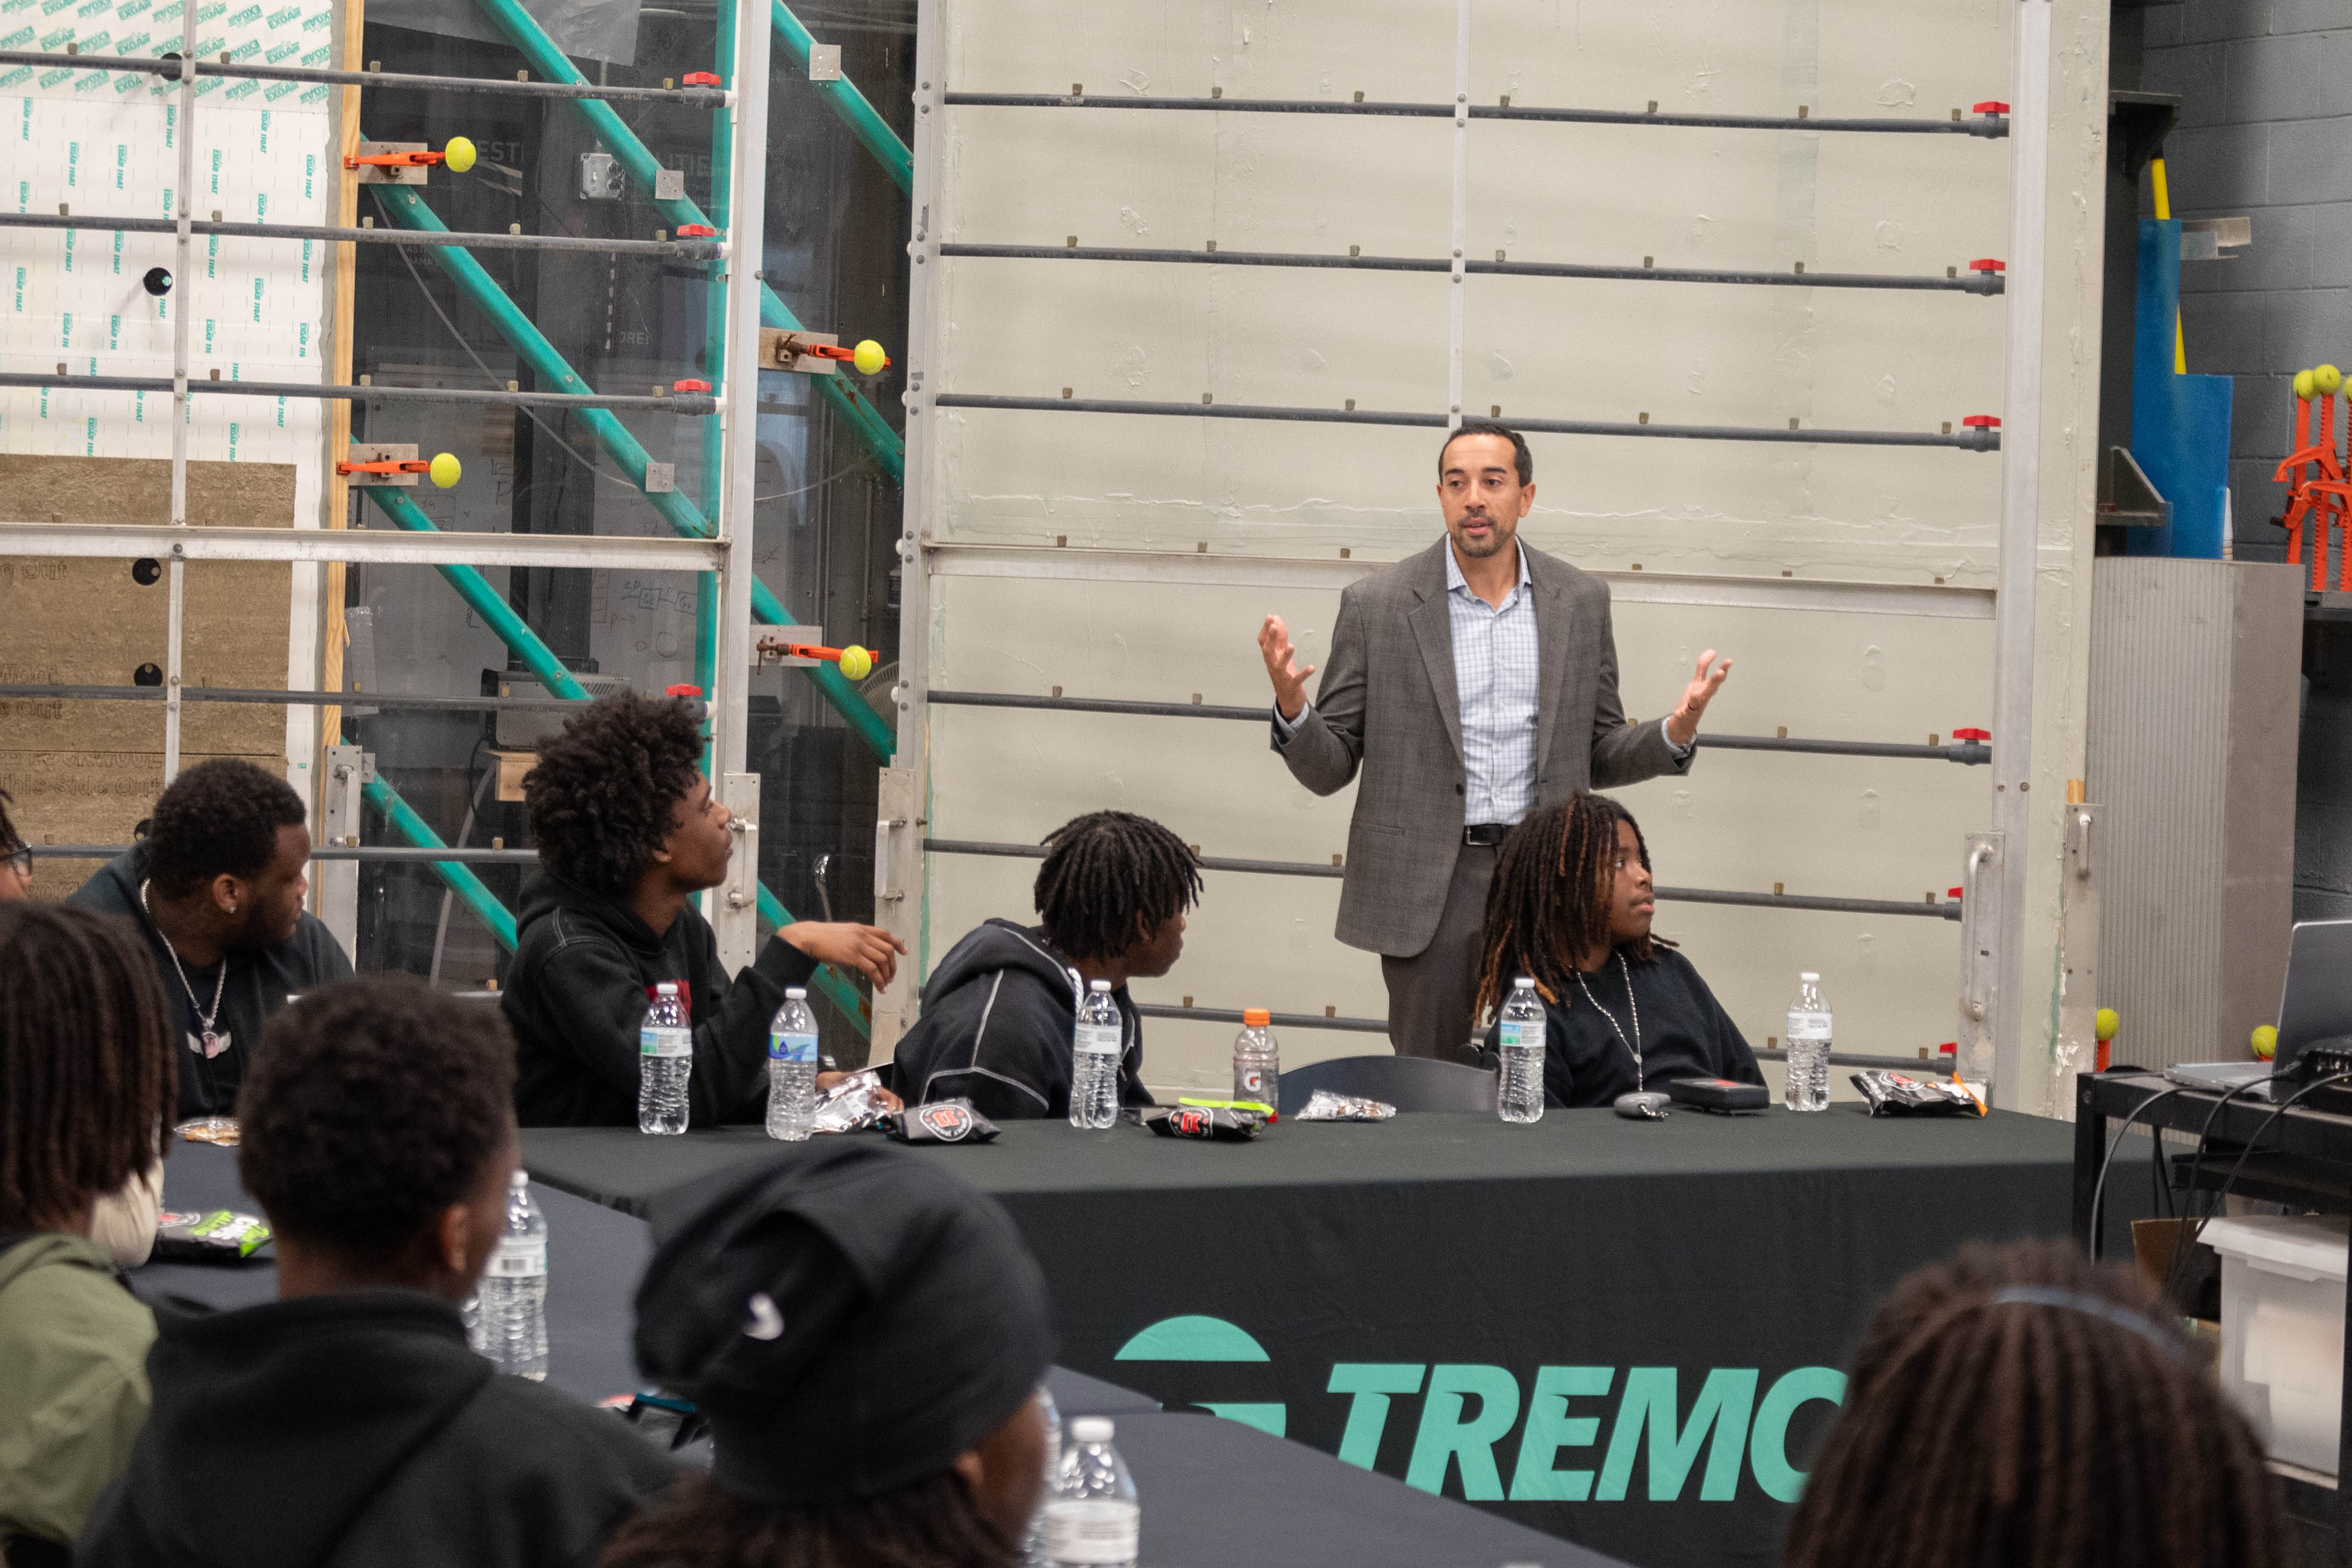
pixel 1033 1545
pixel 513 1290
pixel 665 1059
pixel 792 1068
pixel 1809 1047
pixel 1098 1039
pixel 1520 1088
pixel 1092 1519
pixel 1258 1060
pixel 472 1312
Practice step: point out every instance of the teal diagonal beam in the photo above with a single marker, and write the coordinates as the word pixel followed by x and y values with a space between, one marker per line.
pixel 458 876
pixel 540 660
pixel 528 36
pixel 841 96
pixel 555 373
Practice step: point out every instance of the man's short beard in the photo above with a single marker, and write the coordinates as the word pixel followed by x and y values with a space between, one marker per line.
pixel 1496 539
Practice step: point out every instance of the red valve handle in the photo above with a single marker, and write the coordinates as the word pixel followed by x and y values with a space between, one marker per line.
pixel 1992 106
pixel 1973 735
pixel 683 691
pixel 1987 264
pixel 701 78
pixel 697 231
pixel 1982 422
pixel 1958 892
pixel 690 386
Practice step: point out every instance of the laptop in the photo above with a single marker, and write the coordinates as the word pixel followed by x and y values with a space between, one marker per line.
pixel 2316 1004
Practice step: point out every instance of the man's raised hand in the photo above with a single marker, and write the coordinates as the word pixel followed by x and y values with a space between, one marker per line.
pixel 869 950
pixel 1681 725
pixel 1289 682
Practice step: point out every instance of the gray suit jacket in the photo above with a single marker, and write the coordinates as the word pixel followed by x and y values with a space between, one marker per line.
pixel 1387 705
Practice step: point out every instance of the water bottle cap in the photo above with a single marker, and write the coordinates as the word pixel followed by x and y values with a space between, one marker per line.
pixel 1101 986
pixel 1523 982
pixel 1255 1017
pixel 667 988
pixel 1091 1428
pixel 796 993
pixel 518 1181
pixel 1808 975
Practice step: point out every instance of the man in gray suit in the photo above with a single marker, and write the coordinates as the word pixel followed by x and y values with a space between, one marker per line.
pixel 1470 684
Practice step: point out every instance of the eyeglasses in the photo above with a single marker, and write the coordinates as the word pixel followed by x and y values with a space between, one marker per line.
pixel 20 860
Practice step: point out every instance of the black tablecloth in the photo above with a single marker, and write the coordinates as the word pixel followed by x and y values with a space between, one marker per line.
pixel 1216 1494
pixel 1625 1333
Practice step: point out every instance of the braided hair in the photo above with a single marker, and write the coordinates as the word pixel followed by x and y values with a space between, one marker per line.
pixel 1550 900
pixel 87 1070
pixel 1110 876
pixel 2065 1426
pixel 934 1523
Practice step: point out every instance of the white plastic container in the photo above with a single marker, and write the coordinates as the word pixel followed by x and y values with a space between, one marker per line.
pixel 2283 1330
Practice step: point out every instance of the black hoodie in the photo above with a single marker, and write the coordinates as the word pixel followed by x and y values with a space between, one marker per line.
pixel 576 995
pixel 258 983
pixel 357 1429
pixel 997 1027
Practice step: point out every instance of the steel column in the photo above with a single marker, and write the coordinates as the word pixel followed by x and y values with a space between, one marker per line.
pixel 2020 527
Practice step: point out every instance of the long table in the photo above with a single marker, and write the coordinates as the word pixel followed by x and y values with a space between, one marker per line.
pixel 1216 1494
pixel 1623 1333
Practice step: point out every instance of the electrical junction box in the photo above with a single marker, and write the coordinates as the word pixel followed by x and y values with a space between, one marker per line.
pixel 602 178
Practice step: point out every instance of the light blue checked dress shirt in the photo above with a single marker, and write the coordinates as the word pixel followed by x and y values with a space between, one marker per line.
pixel 1495 676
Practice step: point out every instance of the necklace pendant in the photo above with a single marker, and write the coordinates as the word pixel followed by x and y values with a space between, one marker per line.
pixel 215 1044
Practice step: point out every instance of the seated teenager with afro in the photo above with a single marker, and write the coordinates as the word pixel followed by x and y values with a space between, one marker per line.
pixel 865 1335
pixel 1571 907
pixel 1000 1009
pixel 348 1423
pixel 628 832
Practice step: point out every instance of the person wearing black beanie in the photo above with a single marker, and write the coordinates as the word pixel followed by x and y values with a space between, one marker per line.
pixel 865 1335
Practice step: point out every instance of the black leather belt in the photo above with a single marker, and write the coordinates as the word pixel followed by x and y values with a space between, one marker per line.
pixel 1487 833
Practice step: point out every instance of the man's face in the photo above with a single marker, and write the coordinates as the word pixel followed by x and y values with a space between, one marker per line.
pixel 1157 952
pixel 269 905
pixel 1632 904
pixel 1479 487
pixel 700 847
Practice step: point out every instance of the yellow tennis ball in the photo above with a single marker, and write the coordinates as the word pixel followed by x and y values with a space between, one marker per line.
pixel 2305 383
pixel 2327 378
pixel 445 470
pixel 857 664
pixel 2108 1022
pixel 868 358
pixel 460 155
pixel 2265 1042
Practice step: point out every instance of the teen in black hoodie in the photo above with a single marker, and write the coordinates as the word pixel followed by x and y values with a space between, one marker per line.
pixel 999 1011
pixel 628 833
pixel 347 1424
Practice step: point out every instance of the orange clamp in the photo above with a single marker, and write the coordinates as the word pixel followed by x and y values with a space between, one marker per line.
pixel 396 159
pixel 419 467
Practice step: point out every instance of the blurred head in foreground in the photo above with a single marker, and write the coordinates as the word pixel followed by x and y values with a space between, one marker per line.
pixel 2021 1406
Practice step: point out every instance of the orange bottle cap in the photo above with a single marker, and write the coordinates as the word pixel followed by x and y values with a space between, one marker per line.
pixel 1257 1018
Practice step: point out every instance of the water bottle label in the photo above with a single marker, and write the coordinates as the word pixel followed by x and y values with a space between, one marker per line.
pixel 1809 1026
pixel 653 1042
pixel 784 1048
pixel 1100 1041
pixel 1097 1530
pixel 519 1259
pixel 1521 1037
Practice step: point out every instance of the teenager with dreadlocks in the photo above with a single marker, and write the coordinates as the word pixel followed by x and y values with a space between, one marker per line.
pixel 865 1335
pixel 628 833
pixel 999 1010
pixel 2020 1404
pixel 216 888
pixel 1571 907
pixel 85 1082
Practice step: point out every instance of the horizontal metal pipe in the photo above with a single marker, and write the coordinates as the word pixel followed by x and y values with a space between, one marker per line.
pixel 667 250
pixel 1960 752
pixel 1987 125
pixel 169 66
pixel 305 699
pixel 1973 283
pixel 1943 912
pixel 392 852
pixel 1969 439
pixel 1279 1020
pixel 1918 1067
pixel 682 403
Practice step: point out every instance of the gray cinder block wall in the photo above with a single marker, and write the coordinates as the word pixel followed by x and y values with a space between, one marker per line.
pixel 2265 132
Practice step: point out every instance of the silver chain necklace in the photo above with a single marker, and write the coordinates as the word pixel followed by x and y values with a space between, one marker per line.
pixel 213 1044
pixel 1632 1045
